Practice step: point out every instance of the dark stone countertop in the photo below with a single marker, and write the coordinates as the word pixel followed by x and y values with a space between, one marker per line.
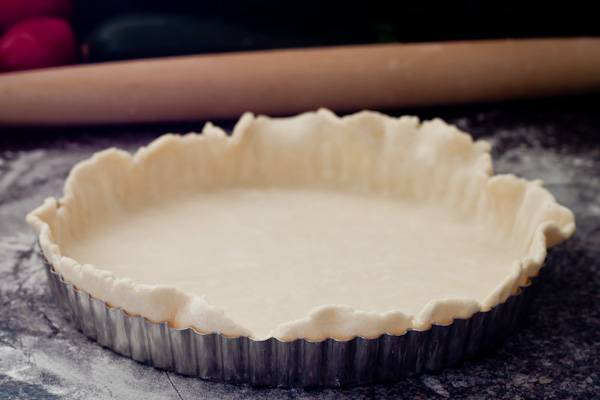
pixel 554 354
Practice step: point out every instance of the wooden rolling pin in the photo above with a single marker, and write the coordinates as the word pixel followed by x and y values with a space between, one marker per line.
pixel 290 81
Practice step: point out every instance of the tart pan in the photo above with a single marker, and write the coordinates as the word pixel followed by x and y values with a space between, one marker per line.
pixel 298 363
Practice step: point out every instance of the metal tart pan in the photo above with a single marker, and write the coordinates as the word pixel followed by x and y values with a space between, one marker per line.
pixel 298 363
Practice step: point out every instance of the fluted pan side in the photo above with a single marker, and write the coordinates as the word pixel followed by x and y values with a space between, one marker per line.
pixel 298 363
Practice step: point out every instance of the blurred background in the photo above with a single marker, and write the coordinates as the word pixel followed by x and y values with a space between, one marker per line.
pixel 312 23
pixel 401 20
pixel 116 30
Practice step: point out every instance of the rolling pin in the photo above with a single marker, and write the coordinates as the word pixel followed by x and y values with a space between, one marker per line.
pixel 283 82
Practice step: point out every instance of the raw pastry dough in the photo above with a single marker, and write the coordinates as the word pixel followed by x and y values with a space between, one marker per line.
pixel 313 226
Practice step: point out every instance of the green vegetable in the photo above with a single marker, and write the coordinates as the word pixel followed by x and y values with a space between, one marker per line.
pixel 158 35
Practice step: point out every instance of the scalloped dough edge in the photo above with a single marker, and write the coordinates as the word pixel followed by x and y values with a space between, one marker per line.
pixel 536 221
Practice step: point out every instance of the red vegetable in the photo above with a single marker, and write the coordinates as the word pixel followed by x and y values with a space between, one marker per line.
pixel 12 11
pixel 37 42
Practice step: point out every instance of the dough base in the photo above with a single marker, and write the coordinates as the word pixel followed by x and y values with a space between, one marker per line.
pixel 273 255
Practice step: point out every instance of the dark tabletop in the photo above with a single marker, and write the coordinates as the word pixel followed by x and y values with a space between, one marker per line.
pixel 555 353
